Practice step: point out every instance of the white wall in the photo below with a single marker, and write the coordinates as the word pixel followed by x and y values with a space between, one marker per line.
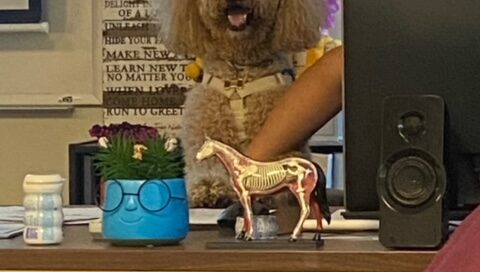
pixel 37 141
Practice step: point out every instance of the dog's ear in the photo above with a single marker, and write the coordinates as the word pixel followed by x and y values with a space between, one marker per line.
pixel 298 24
pixel 181 28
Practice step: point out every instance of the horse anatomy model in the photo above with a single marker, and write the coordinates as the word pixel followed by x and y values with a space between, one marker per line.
pixel 252 178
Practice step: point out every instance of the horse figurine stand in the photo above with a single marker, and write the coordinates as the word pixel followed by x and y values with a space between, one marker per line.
pixel 251 178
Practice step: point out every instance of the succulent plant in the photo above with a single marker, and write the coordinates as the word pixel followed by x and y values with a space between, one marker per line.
pixel 136 152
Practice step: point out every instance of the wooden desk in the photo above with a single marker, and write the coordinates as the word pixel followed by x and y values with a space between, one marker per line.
pixel 79 251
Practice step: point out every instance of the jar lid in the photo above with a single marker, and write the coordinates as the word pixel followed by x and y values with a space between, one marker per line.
pixel 54 178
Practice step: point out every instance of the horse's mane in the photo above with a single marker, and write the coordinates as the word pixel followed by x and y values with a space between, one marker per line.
pixel 231 149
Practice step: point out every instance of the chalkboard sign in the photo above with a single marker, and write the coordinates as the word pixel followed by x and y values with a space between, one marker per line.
pixel 20 11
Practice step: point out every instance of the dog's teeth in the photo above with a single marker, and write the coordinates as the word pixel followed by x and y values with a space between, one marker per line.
pixel 238 19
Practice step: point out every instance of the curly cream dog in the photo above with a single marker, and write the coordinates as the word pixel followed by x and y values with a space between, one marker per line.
pixel 247 48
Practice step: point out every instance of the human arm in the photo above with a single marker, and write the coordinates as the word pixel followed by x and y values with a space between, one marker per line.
pixel 309 103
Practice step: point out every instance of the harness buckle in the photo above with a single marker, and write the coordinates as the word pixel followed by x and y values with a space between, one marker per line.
pixel 235 84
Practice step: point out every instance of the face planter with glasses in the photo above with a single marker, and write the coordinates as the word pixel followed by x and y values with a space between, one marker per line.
pixel 145 212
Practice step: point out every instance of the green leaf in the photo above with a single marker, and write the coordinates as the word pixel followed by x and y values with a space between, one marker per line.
pixel 117 162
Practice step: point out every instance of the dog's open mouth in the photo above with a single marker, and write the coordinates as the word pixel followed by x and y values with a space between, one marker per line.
pixel 238 16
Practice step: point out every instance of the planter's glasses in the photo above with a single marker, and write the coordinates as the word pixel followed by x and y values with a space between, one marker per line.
pixel 153 196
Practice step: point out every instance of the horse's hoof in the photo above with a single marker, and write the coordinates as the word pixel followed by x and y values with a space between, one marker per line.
pixel 291 240
pixel 248 237
pixel 317 237
pixel 241 235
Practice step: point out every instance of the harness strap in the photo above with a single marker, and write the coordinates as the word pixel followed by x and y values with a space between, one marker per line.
pixel 243 89
pixel 237 90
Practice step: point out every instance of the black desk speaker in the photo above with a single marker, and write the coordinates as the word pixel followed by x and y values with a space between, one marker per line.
pixel 411 179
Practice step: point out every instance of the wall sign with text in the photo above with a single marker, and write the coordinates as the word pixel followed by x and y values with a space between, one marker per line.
pixel 20 11
pixel 143 82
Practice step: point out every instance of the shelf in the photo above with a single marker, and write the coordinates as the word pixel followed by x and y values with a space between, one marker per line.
pixel 326 146
pixel 42 27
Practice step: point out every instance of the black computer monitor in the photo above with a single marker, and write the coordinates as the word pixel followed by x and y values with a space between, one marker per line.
pixel 411 47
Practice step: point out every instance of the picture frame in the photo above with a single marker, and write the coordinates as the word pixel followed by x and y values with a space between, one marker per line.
pixel 20 11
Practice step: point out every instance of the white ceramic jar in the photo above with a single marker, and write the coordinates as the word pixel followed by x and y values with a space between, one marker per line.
pixel 43 209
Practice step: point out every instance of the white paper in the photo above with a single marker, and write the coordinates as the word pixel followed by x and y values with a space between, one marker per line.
pixel 81 214
pixel 339 223
pixel 8 230
pixel 204 216
pixel 12 213
pixel 365 237
pixel 72 215
pixel 14 4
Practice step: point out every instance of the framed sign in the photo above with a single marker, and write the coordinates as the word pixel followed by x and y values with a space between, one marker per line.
pixel 20 11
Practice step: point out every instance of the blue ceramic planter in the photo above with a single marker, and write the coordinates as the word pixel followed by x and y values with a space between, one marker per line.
pixel 145 212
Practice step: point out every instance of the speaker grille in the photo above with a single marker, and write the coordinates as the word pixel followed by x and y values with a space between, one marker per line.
pixel 411 181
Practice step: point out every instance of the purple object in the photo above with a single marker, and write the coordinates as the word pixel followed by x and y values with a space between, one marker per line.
pixel 140 133
pixel 332 8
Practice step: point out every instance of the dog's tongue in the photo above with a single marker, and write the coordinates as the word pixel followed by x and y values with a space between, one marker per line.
pixel 237 20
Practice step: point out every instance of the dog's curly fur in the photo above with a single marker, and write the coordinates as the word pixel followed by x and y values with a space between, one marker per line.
pixel 276 29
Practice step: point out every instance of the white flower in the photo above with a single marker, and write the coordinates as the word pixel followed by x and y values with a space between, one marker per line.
pixel 171 144
pixel 103 142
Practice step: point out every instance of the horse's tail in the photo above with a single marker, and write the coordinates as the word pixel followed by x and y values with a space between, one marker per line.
pixel 320 193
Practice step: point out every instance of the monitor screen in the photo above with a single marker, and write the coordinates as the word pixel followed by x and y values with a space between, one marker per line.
pixel 410 47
